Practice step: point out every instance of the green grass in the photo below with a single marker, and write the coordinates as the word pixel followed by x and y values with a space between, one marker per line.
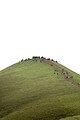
pixel 30 90
pixel 72 118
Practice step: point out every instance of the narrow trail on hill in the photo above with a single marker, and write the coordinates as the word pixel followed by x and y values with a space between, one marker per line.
pixel 63 72
pixel 67 75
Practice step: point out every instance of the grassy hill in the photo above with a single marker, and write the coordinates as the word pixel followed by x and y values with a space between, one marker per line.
pixel 39 89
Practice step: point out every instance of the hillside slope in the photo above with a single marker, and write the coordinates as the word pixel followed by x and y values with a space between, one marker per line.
pixel 39 89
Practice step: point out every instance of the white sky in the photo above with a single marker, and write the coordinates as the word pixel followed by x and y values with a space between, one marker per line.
pixel 49 28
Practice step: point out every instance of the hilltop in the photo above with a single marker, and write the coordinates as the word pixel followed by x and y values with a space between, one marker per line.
pixel 39 89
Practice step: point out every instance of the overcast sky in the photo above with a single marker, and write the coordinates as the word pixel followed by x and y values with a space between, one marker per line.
pixel 49 28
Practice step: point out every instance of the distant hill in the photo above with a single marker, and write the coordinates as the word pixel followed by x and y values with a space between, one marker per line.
pixel 39 89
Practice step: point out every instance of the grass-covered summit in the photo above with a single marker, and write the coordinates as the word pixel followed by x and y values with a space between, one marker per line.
pixel 39 89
